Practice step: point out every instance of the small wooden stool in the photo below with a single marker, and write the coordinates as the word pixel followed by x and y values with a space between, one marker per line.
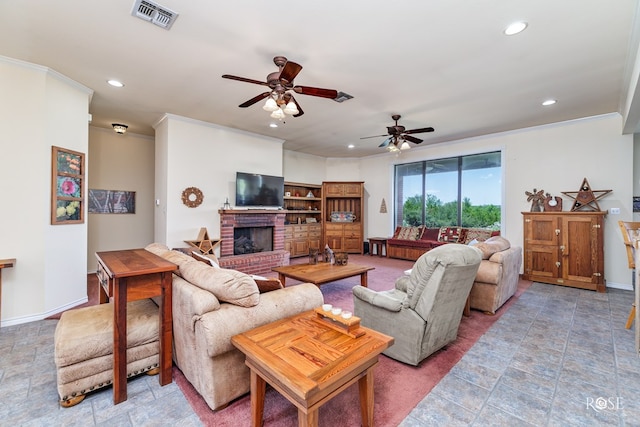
pixel 380 245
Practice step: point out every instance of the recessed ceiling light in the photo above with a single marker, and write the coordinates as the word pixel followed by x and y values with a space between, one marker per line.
pixel 115 83
pixel 549 102
pixel 351 146
pixel 515 28
pixel 273 125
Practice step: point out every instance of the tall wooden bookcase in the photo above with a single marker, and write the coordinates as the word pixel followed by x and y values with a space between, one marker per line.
pixel 303 219
pixel 565 248
pixel 343 197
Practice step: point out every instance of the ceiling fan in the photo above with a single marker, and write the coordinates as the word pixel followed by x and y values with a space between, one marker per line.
pixel 398 135
pixel 281 100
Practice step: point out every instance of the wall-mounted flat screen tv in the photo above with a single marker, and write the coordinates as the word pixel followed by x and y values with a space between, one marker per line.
pixel 257 190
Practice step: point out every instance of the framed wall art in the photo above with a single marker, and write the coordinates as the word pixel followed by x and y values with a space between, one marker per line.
pixel 67 186
pixel 111 202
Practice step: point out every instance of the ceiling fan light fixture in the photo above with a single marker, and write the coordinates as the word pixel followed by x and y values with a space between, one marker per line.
pixel 405 146
pixel 270 105
pixel 291 108
pixel 278 114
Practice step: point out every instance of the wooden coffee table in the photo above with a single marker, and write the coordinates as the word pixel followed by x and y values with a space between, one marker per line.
pixel 309 360
pixel 323 272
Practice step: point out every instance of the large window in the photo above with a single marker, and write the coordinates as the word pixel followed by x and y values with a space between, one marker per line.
pixel 463 191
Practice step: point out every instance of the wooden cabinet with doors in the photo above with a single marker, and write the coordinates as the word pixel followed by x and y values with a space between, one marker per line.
pixel 303 219
pixel 342 198
pixel 565 248
pixel 298 239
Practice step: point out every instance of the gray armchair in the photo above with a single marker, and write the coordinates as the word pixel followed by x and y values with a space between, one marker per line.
pixel 424 309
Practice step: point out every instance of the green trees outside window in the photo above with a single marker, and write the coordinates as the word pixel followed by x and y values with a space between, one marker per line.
pixel 460 191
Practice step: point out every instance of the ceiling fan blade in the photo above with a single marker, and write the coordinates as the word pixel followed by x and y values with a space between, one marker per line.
pixel 254 100
pixel 374 136
pixel 386 142
pixel 412 139
pixel 422 130
pixel 244 79
pixel 316 91
pixel 290 71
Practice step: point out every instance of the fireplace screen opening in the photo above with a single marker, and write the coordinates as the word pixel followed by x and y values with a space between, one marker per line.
pixel 248 240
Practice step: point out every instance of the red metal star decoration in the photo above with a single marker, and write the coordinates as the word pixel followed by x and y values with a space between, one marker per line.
pixel 585 199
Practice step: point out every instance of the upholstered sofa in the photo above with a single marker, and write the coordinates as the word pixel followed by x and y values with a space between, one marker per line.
pixel 411 242
pixel 498 274
pixel 210 305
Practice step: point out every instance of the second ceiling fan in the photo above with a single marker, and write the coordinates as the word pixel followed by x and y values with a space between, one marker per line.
pixel 398 135
pixel 281 83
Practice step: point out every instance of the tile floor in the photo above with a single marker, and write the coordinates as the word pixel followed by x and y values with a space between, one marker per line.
pixel 29 396
pixel 559 357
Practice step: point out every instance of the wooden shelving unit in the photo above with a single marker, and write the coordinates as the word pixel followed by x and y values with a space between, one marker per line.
pixel 303 218
pixel 344 196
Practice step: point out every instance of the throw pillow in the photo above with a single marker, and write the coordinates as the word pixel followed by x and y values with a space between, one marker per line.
pixel 409 233
pixel 157 248
pixel 449 234
pixel 227 285
pixel 492 245
pixel 267 285
pixel 479 234
pixel 207 259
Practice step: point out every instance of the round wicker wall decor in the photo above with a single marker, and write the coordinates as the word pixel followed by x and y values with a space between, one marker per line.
pixel 192 197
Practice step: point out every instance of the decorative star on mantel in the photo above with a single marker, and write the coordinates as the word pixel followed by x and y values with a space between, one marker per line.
pixel 203 243
pixel 585 199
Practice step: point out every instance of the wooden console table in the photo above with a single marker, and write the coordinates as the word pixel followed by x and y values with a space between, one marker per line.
pixel 130 275
pixel 4 263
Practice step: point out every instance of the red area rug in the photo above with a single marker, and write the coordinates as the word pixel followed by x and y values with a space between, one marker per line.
pixel 398 388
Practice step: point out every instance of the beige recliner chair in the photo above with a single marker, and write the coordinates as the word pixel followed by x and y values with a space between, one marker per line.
pixel 422 313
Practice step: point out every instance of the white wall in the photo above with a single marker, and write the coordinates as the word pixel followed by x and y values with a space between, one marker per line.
pixel 304 168
pixel 125 163
pixel 39 108
pixel 555 158
pixel 198 154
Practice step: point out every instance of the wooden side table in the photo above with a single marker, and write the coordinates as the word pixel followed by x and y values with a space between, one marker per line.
pixel 4 263
pixel 309 360
pixel 380 245
pixel 130 275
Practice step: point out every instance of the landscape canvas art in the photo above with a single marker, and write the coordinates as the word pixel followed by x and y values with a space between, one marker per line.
pixel 112 202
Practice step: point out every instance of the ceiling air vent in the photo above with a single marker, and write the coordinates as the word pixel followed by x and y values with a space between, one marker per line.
pixel 342 97
pixel 154 13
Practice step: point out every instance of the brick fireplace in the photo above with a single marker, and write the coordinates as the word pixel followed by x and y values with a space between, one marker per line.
pixel 257 262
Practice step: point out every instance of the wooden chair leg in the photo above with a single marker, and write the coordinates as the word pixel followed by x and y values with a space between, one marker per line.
pixel 632 316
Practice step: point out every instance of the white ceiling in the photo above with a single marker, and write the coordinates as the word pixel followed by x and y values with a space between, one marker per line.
pixel 440 63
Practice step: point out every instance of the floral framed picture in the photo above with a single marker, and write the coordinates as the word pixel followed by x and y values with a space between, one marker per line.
pixel 67 186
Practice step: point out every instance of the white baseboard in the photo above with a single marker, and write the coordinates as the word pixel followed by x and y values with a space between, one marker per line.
pixel 42 316
pixel 623 286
